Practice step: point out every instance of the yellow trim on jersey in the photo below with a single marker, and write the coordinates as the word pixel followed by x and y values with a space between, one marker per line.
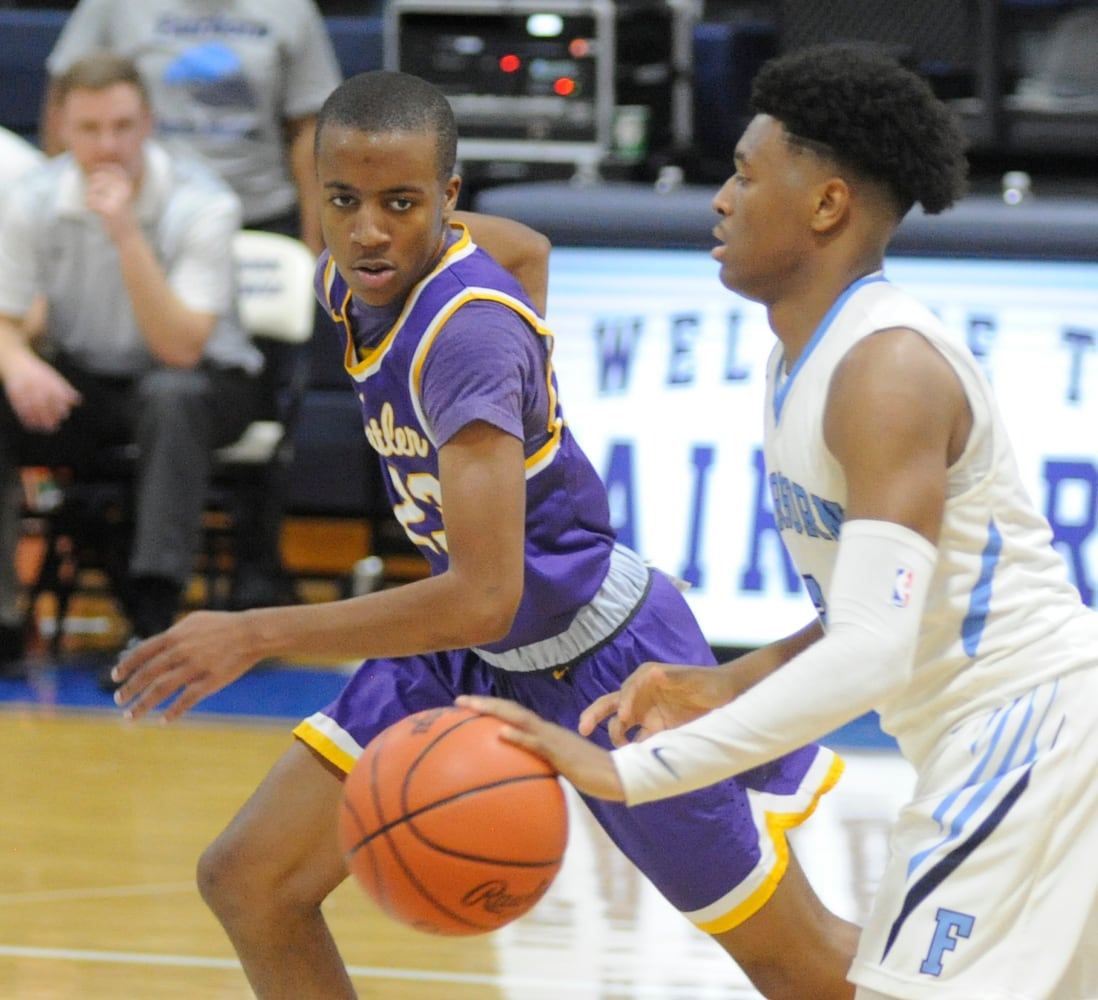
pixel 369 359
pixel 324 745
pixel 442 317
pixel 339 312
pixel 544 455
pixel 776 826
pixel 555 424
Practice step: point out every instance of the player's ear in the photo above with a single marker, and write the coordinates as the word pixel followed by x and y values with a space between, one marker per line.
pixel 450 194
pixel 831 204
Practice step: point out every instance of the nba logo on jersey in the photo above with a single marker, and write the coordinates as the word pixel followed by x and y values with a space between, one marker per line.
pixel 901 587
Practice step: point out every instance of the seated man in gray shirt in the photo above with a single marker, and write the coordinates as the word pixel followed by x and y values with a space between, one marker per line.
pixel 236 84
pixel 130 250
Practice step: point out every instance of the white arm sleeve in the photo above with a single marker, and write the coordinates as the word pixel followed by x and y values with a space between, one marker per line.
pixel 878 591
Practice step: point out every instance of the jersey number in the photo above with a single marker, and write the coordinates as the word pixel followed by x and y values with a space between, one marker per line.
pixel 418 491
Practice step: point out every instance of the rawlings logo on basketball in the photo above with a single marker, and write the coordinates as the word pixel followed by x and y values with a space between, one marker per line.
pixel 425 721
pixel 493 897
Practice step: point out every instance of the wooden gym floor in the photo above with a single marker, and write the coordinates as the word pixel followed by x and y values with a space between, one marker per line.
pixel 103 822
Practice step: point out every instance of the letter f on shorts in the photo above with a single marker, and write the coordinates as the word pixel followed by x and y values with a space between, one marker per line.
pixel 951 926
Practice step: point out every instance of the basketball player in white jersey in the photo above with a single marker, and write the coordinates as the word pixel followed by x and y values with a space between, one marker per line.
pixel 941 601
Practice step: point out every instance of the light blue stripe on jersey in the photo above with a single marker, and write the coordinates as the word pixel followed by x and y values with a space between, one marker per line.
pixel 1009 730
pixel 783 390
pixel 972 629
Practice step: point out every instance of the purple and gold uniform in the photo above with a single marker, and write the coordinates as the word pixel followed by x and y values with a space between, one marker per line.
pixel 467 345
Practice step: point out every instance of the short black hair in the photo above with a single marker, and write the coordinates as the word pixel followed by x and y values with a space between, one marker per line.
pixel 390 101
pixel 871 115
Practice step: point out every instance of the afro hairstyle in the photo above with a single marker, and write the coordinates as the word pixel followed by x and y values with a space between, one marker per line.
pixel 871 116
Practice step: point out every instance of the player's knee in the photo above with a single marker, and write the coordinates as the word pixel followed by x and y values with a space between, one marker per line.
pixel 238 881
pixel 219 878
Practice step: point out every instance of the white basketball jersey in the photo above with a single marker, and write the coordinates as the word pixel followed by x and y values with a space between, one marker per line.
pixel 1000 589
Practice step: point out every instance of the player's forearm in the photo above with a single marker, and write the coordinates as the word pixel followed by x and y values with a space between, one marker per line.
pixel 831 683
pixel 866 657
pixel 428 615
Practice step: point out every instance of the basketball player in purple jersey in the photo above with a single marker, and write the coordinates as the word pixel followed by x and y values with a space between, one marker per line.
pixel 529 597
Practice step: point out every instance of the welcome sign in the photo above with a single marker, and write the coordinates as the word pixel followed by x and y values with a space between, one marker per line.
pixel 661 372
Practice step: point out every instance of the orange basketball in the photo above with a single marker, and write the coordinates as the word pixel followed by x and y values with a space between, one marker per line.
pixel 448 828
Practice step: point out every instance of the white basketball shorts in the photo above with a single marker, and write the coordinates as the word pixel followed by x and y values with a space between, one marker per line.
pixel 991 887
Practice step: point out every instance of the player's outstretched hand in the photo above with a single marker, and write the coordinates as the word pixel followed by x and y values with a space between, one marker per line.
pixel 655 697
pixel 200 654
pixel 587 766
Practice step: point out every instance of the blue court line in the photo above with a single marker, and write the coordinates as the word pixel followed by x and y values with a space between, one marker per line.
pixel 267 691
pixel 282 691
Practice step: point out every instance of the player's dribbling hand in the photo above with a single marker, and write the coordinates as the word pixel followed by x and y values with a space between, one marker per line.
pixel 587 766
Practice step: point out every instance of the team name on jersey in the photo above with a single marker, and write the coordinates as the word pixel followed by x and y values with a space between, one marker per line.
pixel 387 439
pixel 795 509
